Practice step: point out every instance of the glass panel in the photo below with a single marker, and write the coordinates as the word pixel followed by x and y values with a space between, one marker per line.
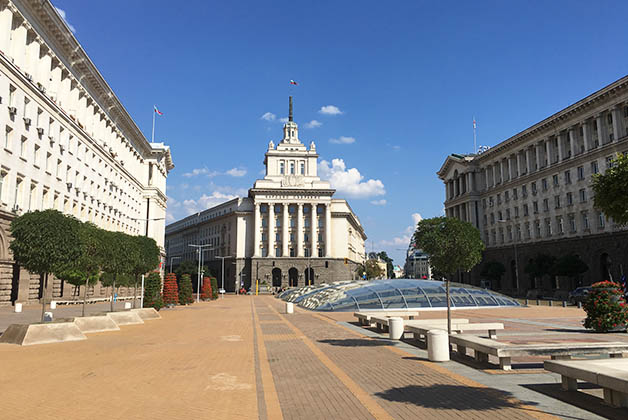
pixel 391 298
pixel 415 298
pixel 346 304
pixel 460 297
pixel 483 297
pixel 436 295
pixel 367 299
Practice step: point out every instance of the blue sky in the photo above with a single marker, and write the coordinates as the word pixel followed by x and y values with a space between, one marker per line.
pixel 407 78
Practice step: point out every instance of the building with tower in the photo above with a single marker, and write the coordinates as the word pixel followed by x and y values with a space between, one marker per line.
pixel 289 231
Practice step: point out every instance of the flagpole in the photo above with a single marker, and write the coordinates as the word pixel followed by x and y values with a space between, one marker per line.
pixel 475 145
pixel 152 139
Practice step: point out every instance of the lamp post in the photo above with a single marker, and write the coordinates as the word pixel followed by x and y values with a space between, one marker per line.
pixel 514 245
pixel 223 274
pixel 172 258
pixel 200 262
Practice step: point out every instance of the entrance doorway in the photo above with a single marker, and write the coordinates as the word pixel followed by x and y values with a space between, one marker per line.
pixel 276 277
pixel 309 276
pixel 293 277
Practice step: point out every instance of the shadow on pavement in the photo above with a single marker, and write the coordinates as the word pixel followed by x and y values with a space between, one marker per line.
pixel 587 399
pixel 439 396
pixel 356 342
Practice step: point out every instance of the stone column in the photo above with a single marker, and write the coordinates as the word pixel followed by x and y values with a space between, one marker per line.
pixel 43 74
pixel 586 135
pixel 300 230
pixel 257 231
pixel 271 230
pixel 6 22
pixel 33 55
pixel 572 141
pixel 617 123
pixel 494 174
pixel 518 163
pixel 18 45
pixel 285 228
pixel 548 157
pixel 486 177
pixel 314 235
pixel 600 129
pixel 537 149
pixel 559 144
pixel 501 171
pixel 328 230
pixel 528 154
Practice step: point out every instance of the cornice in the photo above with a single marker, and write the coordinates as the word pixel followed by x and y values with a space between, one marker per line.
pixel 304 191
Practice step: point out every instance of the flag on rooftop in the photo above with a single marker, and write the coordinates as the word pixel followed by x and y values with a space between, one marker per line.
pixel 158 111
pixel 292 82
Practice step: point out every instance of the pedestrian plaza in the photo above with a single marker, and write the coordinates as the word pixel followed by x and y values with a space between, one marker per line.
pixel 243 357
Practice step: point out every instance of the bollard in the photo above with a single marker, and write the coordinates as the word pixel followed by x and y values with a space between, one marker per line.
pixel 53 304
pixel 395 328
pixel 550 302
pixel 289 307
pixel 127 305
pixel 527 302
pixel 579 305
pixel 564 303
pixel 47 316
pixel 538 302
pixel 18 307
pixel 437 346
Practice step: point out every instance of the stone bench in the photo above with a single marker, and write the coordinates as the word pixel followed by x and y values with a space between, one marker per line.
pixel 420 331
pixel 483 347
pixel 364 317
pixel 610 374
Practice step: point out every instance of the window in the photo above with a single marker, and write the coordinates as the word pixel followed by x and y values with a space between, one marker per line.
pixel 7 137
pixel 44 198
pixel 306 237
pixel 18 192
pixel 585 220
pixel 601 220
pixel 516 211
pixel 569 198
pixel 535 206
pixel 32 197
pixel 36 156
pixel 499 199
pixel 506 196
pixel 307 222
pixel 25 109
pixel 567 177
pixel 292 252
pixel 580 173
pixel 572 223
pixel 264 222
pixel 594 167
pixel 557 201
pixel 524 191
pixel 492 218
pixel 48 157
pixel 544 184
pixel 306 252
pixel 507 214
pixel 278 222
pixel 583 195
pixel 282 167
pixel 559 225
pixel 277 237
pixel 11 95
pixel 320 237
pixel 38 121
pixel 545 204
pixel 23 148
pixel 3 175
pixel 321 224
pixel 292 237
pixel 537 228
pixel 291 168
pixel 514 194
pixel 302 168
pixel 533 187
pixel 548 227
pixel 525 210
pixel 293 222
pixel 609 162
pixel 58 171
pixel 555 180
pixel 306 210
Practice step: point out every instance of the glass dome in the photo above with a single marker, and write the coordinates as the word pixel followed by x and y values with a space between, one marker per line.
pixel 393 294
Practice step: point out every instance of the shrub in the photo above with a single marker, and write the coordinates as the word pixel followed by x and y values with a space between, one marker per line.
pixel 214 287
pixel 185 290
pixel 606 307
pixel 152 292
pixel 171 291
pixel 206 290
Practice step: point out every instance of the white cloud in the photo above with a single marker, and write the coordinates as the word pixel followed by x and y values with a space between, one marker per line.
pixel 196 172
pixel 342 140
pixel 283 120
pixel 381 202
pixel 404 238
pixel 206 201
pixel 269 116
pixel 63 16
pixel 237 172
pixel 349 181
pixel 330 110
pixel 313 124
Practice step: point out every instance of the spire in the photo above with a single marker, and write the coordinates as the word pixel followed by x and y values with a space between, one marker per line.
pixel 290 111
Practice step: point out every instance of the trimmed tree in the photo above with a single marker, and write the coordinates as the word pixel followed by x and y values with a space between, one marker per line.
pixel 611 190
pixel 606 307
pixel 540 266
pixel 493 270
pixel 453 246
pixel 43 242
pixel 152 292
pixel 120 253
pixel 214 283
pixel 206 290
pixel 185 290
pixel 147 260
pixel 171 291
pixel 570 266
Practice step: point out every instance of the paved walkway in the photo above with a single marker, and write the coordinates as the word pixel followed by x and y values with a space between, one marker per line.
pixel 242 358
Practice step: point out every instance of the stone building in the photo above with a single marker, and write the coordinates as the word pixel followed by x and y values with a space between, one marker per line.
pixel 531 194
pixel 289 231
pixel 67 143
pixel 417 264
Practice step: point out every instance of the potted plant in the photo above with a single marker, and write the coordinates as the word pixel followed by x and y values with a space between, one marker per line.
pixel 606 308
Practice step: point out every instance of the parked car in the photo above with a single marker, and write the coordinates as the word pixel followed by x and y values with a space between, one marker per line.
pixel 579 295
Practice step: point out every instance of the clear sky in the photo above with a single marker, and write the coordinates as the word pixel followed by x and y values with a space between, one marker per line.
pixel 386 89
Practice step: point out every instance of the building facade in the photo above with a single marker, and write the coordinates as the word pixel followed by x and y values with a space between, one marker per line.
pixel 531 194
pixel 67 143
pixel 289 231
pixel 417 264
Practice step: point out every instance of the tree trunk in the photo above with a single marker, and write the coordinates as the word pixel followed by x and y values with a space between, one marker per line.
pixel 113 291
pixel 448 310
pixel 85 294
pixel 43 296
pixel 134 292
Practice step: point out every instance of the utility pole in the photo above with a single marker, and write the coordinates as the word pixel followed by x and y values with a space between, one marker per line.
pixel 223 274
pixel 198 274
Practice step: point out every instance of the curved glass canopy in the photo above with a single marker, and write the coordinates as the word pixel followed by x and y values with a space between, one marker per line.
pixel 392 294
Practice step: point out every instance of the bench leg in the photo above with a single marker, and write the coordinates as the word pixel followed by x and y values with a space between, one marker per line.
pixel 492 334
pixel 505 363
pixel 411 317
pixel 563 357
pixel 481 357
pixel 569 384
pixel 615 398
pixel 462 350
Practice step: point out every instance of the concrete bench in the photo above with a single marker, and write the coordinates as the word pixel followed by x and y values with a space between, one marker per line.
pixel 364 318
pixel 610 374
pixel 483 347
pixel 456 328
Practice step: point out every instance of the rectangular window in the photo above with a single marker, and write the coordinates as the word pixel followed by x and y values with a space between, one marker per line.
pixel 524 191
pixel 537 228
pixel 535 206
pixel 533 186
pixel 302 168
pixel 7 137
pixel 292 237
pixel 23 148
pixel 609 162
pixel 291 168
pixel 32 197
pixel 306 237
pixel 48 157
pixel 594 167
pixel 3 176
pixel 569 198
pixel 507 214
pixel 572 223
pixel 492 218
pixel 580 173
pixel 264 222
pixel 307 222
pixel 583 195
pixel 601 220
pixel 277 237
pixel 559 225
pixel 507 196
pixel 525 210
pixel 544 184
pixel 545 204
pixel 517 211
pixel 18 192
pixel 281 167
pixel 585 220
pixel 555 180
pixel 320 237
pixel 548 227
pixel 514 194
pixel 557 201
pixel 306 252
pixel 278 222
pixel 292 252
pixel 567 177
pixel 293 222
pixel 11 95
pixel 277 252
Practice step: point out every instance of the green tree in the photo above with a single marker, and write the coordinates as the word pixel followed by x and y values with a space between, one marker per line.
pixel 191 267
pixel 389 263
pixel 372 269
pixel 119 254
pixel 540 266
pixel 611 190
pixel 569 266
pixel 147 260
pixel 493 270
pixel 185 290
pixel 152 292
pixel 453 246
pixel 43 242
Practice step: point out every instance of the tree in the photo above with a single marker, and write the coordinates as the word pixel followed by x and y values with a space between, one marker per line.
pixel 119 257
pixel 493 270
pixel 214 283
pixel 171 291
pixel 540 266
pixel 453 246
pixel 206 290
pixel 372 269
pixel 44 241
pixel 611 190
pixel 389 263
pixel 185 290
pixel 606 307
pixel 569 266
pixel 152 292
pixel 147 260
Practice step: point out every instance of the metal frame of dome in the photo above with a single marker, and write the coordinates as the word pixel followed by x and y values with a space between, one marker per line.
pixel 394 294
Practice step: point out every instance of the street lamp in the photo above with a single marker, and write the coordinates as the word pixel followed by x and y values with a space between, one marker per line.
pixel 172 258
pixel 223 274
pixel 200 261
pixel 514 245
